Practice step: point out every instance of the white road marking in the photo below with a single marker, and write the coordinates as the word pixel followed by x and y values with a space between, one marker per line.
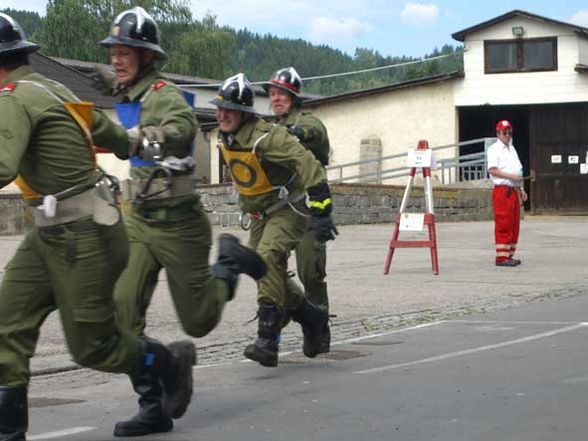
pixel 382 334
pixel 474 350
pixel 60 433
pixel 511 322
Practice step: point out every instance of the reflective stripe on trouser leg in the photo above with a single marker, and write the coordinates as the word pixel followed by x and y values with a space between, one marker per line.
pixel 516 210
pixel 506 220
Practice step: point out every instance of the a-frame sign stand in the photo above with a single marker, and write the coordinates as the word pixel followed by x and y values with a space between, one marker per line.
pixel 422 158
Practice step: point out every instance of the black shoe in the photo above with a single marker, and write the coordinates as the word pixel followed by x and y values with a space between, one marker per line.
pixel 314 322
pixel 142 424
pixel 269 325
pixel 517 261
pixel 264 351
pixel 14 413
pixel 178 382
pixel 509 262
pixel 325 344
pixel 243 258
pixel 12 436
pixel 150 418
pixel 235 259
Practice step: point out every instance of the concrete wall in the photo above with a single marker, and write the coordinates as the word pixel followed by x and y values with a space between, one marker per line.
pixel 562 85
pixel 399 119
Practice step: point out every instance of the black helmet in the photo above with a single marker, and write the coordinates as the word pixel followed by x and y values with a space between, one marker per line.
pixel 286 79
pixel 135 28
pixel 12 37
pixel 235 93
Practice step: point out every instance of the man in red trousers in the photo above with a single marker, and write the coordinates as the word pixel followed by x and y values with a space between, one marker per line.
pixel 506 172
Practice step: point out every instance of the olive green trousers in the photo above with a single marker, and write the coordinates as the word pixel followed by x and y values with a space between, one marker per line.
pixel 274 237
pixel 72 269
pixel 311 261
pixel 180 244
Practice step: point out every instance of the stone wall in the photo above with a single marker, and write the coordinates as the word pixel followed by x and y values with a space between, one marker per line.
pixel 15 217
pixel 354 204
pixel 368 204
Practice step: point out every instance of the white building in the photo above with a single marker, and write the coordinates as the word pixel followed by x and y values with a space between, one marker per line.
pixel 519 66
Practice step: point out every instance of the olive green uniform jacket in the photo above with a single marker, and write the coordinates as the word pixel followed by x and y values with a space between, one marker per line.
pixel 171 232
pixel 311 255
pixel 286 163
pixel 71 267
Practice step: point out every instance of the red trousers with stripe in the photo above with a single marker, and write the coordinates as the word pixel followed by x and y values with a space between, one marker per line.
pixel 507 219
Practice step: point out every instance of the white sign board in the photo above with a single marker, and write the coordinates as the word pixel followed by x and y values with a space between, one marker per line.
pixel 421 158
pixel 556 159
pixel 584 169
pixel 412 221
pixel 573 159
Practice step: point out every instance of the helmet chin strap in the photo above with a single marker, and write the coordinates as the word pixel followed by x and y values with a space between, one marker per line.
pixel 245 116
pixel 143 69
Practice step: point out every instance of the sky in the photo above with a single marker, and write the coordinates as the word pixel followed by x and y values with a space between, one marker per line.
pixel 391 27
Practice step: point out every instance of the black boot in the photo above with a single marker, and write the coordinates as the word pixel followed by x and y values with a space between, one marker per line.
pixel 14 413
pixel 315 323
pixel 265 349
pixel 150 418
pixel 325 344
pixel 173 366
pixel 234 259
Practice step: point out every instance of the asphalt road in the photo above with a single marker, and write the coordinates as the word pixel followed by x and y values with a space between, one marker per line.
pixel 366 301
pixel 516 374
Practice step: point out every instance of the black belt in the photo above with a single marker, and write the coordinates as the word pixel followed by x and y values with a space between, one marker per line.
pixel 80 226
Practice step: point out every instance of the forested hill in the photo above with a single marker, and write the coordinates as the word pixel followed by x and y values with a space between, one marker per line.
pixel 72 28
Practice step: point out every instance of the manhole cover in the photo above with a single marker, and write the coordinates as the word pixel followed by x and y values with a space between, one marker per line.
pixel 341 355
pixel 46 402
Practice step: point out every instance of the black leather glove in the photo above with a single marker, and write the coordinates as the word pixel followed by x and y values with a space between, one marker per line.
pixel 320 204
pixel 304 134
pixel 105 80
pixel 323 228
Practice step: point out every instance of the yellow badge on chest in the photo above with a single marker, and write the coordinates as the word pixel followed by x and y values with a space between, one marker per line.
pixel 246 171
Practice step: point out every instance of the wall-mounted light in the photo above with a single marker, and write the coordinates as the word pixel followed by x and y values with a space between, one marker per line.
pixel 518 31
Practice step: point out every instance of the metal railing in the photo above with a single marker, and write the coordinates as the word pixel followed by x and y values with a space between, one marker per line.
pixel 466 167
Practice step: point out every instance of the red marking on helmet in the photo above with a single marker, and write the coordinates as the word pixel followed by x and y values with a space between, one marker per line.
pixel 286 84
pixel 159 84
pixel 8 87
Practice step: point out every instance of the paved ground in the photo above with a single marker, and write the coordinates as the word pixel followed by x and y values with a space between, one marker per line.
pixel 515 374
pixel 366 301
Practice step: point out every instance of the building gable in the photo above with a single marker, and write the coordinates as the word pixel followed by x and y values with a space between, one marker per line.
pixel 520 80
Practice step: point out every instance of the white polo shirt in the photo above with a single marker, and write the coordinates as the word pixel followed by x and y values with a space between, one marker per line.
pixel 504 158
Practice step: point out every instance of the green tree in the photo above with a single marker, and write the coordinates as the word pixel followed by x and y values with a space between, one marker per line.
pixel 73 28
pixel 202 49
pixel 29 21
